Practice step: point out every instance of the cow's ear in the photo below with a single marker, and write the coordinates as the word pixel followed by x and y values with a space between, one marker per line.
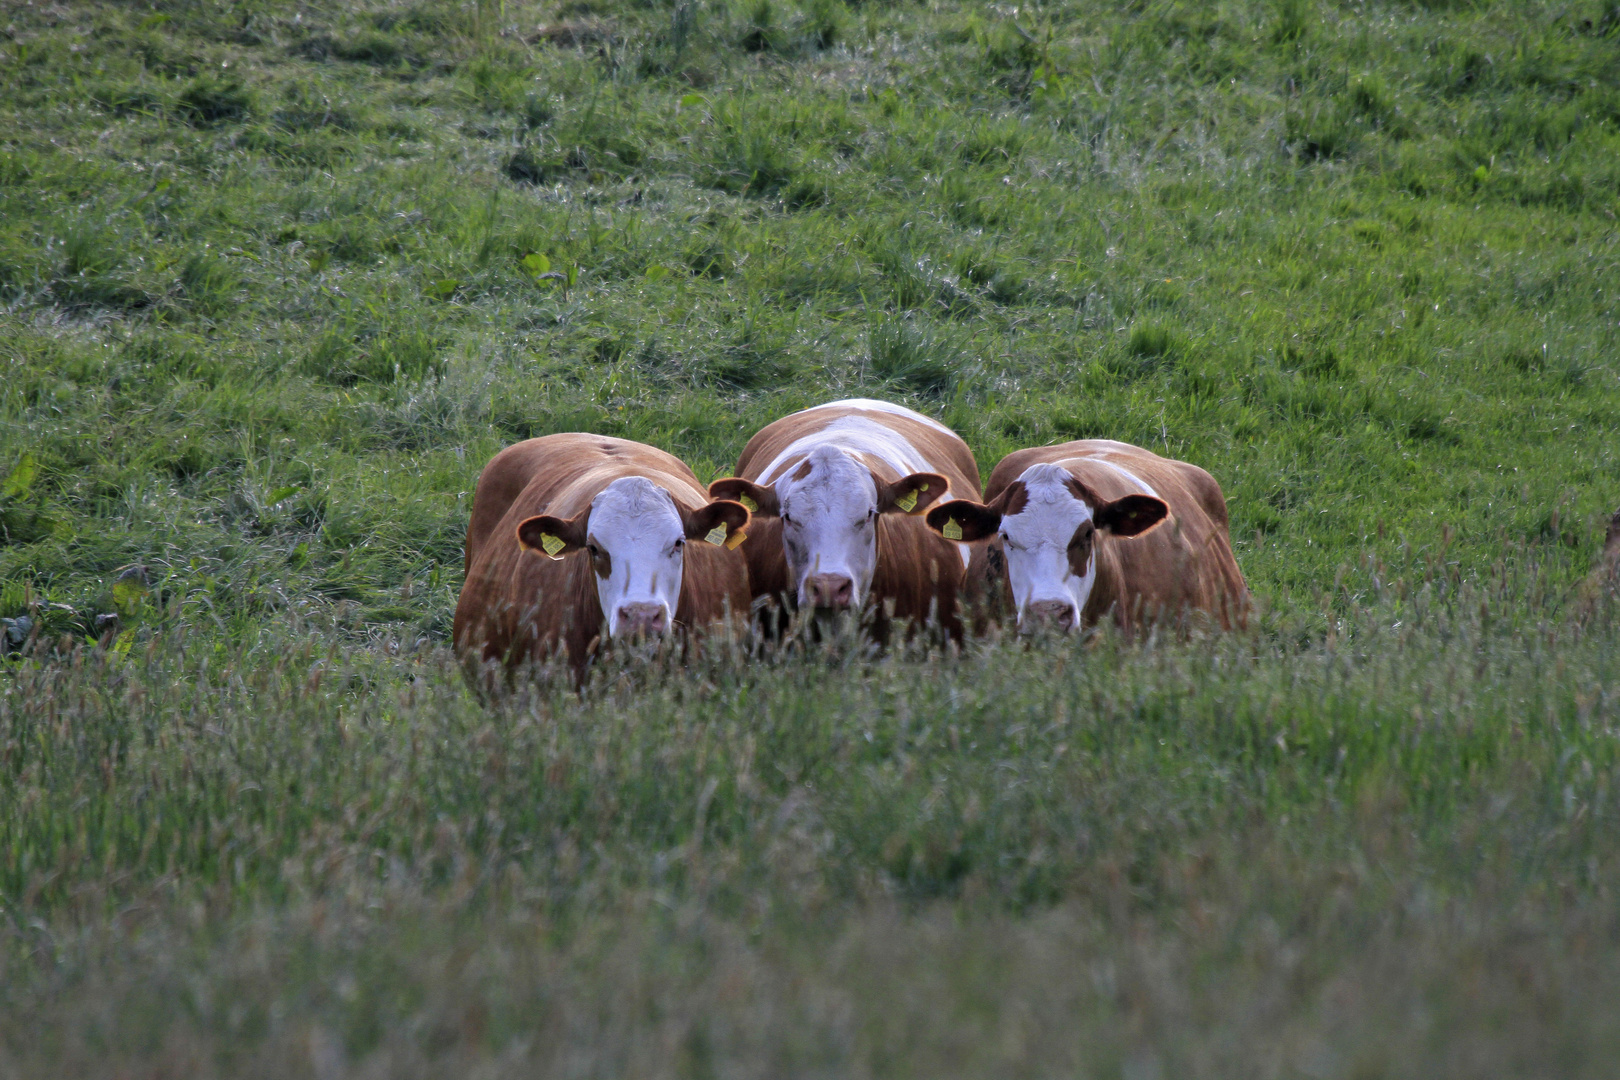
pixel 755 498
pixel 964 521
pixel 1012 499
pixel 1132 515
pixel 720 523
pixel 910 494
pixel 553 537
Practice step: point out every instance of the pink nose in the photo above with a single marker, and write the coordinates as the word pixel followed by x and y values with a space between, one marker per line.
pixel 834 591
pixel 641 620
pixel 1051 615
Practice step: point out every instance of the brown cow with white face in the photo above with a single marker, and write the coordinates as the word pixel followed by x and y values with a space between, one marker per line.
pixel 837 493
pixel 579 538
pixel 1096 526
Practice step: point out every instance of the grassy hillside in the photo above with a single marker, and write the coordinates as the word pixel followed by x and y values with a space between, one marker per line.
pixel 276 280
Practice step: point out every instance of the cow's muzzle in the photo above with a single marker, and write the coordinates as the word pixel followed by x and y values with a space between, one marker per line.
pixel 641 620
pixel 829 592
pixel 1055 616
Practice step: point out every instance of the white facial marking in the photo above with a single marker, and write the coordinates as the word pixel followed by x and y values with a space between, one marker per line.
pixel 634 521
pixel 829 521
pixel 1037 543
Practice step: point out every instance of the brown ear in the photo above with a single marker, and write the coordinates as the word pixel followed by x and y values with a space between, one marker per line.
pixel 755 498
pixel 553 537
pixel 964 521
pixel 1012 499
pixel 970 521
pixel 910 494
pixel 721 523
pixel 1132 515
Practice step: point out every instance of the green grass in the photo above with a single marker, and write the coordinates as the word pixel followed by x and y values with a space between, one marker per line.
pixel 277 279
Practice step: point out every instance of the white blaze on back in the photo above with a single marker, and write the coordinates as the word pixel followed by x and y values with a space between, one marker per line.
pixel 635 522
pixel 871 405
pixel 1136 481
pixel 1037 543
pixel 854 435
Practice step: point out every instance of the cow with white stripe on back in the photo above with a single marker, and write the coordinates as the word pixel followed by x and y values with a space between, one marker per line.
pixel 837 493
pixel 1095 527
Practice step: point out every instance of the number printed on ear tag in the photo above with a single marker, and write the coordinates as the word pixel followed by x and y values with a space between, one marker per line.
pixel 551 545
pixel 907 501
pixel 717 535
pixel 736 540
pixel 748 504
pixel 952 530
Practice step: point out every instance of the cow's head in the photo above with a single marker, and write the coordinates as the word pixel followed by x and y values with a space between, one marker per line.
pixel 1048 523
pixel 829 506
pixel 635 536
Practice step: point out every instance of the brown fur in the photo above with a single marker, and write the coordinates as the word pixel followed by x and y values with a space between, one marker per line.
pixel 517 605
pixel 1185 562
pixel 1604 580
pixel 919 575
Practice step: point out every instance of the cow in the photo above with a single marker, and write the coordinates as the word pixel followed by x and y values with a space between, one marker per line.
pixel 1604 579
pixel 837 493
pixel 576 538
pixel 1095 527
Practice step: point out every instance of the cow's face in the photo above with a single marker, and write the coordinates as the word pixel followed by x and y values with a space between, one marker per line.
pixel 1048 522
pixel 635 536
pixel 829 505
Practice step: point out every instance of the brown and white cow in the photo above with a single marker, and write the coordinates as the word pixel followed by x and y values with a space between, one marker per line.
pixel 1604 580
pixel 1096 526
pixel 578 538
pixel 837 493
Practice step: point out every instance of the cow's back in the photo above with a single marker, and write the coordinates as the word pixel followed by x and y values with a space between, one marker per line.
pixel 919 573
pixel 516 605
pixel 1185 562
pixel 942 450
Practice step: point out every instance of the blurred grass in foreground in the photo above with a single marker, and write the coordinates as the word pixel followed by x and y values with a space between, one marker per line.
pixel 1386 852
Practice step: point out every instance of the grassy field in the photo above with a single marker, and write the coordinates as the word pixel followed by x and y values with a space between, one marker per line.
pixel 277 279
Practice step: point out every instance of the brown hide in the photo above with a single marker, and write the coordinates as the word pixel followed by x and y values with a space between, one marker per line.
pixel 517 605
pixel 1604 580
pixel 1185 562
pixel 918 572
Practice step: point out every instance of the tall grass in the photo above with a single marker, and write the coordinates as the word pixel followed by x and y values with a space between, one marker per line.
pixel 1204 853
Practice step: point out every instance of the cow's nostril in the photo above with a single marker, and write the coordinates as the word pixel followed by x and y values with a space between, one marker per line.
pixel 641 618
pixel 1053 614
pixel 829 590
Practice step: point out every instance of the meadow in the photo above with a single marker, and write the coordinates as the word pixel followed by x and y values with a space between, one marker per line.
pixel 276 279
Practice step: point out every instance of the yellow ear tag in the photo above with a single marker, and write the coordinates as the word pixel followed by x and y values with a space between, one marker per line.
pixel 717 535
pixel 922 487
pixel 907 501
pixel 952 530
pixel 748 504
pixel 736 540
pixel 551 545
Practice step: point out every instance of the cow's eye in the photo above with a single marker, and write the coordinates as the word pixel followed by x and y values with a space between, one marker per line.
pixel 786 520
pixel 680 542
